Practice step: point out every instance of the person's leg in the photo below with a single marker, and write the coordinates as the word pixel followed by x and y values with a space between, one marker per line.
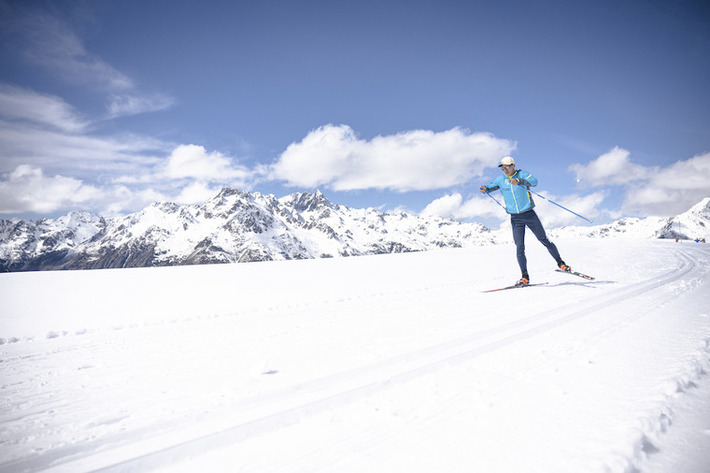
pixel 519 239
pixel 533 221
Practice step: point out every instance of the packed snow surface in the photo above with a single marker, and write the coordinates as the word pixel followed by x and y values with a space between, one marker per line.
pixel 389 363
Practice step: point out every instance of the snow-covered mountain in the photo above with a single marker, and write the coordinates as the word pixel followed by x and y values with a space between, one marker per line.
pixel 234 226
pixel 46 243
pixel 239 226
pixel 690 225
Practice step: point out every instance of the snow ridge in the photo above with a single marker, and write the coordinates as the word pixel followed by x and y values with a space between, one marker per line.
pixel 239 226
pixel 690 225
pixel 234 226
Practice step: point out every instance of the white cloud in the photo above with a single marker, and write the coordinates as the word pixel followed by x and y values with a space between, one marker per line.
pixel 128 104
pixel 194 162
pixel 692 175
pixel 48 153
pixel 20 104
pixel 125 172
pixel 27 189
pixel 197 192
pixel 649 190
pixel 79 154
pixel 44 131
pixel 454 206
pixel 671 190
pixel 483 207
pixel 554 216
pixel 612 168
pixel 333 156
pixel 117 200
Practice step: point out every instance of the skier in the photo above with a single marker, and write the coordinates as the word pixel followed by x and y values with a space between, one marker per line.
pixel 514 185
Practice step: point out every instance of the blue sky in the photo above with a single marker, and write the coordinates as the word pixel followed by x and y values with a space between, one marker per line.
pixel 107 106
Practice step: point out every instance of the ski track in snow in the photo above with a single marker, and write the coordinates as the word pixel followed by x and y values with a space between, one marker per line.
pixel 386 374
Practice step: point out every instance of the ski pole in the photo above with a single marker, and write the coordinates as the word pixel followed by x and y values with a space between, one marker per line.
pixel 560 206
pixel 494 199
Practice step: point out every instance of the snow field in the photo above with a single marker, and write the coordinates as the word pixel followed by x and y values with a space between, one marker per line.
pixel 380 363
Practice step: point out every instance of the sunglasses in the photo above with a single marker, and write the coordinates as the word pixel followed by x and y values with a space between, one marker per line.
pixel 508 166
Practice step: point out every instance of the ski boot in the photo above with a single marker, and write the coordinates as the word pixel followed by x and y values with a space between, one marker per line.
pixel 563 266
pixel 524 281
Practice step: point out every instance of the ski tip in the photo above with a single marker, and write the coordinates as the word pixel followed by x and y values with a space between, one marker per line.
pixel 576 273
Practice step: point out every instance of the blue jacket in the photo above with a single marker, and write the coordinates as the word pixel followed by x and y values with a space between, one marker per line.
pixel 517 198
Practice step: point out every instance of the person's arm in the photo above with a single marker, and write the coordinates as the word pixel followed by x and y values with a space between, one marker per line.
pixel 525 179
pixel 493 185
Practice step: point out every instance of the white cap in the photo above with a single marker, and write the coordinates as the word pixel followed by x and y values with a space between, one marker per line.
pixel 507 161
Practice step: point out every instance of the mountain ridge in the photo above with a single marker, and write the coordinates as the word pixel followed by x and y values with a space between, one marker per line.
pixel 239 226
pixel 234 226
pixel 689 225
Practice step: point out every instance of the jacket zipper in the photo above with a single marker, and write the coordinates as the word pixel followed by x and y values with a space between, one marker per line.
pixel 517 207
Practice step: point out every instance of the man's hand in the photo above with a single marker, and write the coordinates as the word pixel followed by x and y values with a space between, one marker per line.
pixel 482 189
pixel 514 182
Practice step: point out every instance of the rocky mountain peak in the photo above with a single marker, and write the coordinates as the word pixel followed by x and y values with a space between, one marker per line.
pixel 307 202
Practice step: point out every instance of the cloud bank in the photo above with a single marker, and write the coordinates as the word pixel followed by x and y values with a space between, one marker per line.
pixel 648 190
pixel 52 159
pixel 454 206
pixel 27 189
pixel 645 191
pixel 26 106
pixel 334 157
pixel 480 207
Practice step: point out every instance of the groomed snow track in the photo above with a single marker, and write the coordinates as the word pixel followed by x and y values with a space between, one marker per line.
pixel 615 306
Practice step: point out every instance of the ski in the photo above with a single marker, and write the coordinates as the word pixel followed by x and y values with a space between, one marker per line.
pixel 575 273
pixel 514 287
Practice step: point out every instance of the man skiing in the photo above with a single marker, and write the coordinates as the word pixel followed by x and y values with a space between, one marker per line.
pixel 514 185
